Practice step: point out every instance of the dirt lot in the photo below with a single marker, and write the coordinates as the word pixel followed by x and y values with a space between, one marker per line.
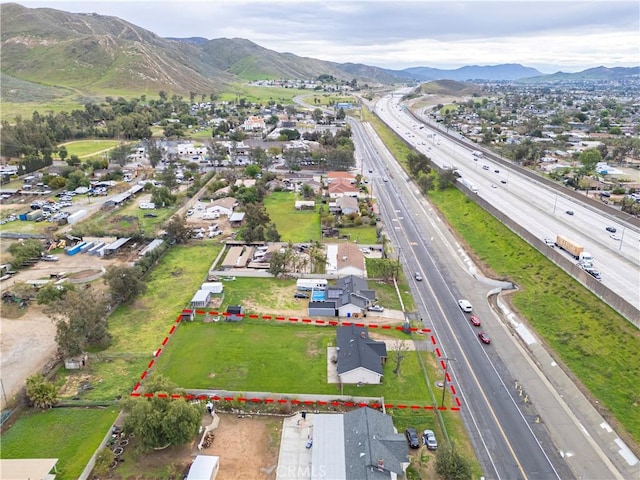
pixel 248 450
pixel 27 336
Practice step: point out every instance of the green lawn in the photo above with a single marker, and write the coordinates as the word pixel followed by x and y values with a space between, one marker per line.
pixel 87 148
pixel 69 434
pixel 293 225
pixel 364 235
pixel 255 355
pixel 262 295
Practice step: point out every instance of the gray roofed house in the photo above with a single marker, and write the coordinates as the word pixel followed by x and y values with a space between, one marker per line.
pixel 359 445
pixel 350 298
pixel 360 359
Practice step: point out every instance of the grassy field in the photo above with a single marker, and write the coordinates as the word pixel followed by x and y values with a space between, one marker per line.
pixel 257 94
pixel 70 434
pixel 87 148
pixel 293 225
pixel 327 99
pixel 255 355
pixel 262 295
pixel 364 235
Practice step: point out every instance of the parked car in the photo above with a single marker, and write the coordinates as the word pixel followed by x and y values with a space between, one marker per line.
pixel 484 338
pixel 300 295
pixel 465 305
pixel 569 212
pixel 150 215
pixel 376 308
pixel 611 229
pixel 418 276
pixel 429 440
pixel 189 212
pixel 50 258
pixel 412 437
pixel 475 320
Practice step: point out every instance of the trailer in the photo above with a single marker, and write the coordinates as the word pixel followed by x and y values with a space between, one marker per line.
pixel 575 250
pixel 469 184
pixel 75 249
pixel 85 248
pixel 311 284
pixel 93 250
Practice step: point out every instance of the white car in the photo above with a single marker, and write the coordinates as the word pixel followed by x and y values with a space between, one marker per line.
pixel 376 308
pixel 418 276
pixel 465 305
pixel 615 236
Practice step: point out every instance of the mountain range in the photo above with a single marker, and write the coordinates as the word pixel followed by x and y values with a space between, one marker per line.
pixel 97 53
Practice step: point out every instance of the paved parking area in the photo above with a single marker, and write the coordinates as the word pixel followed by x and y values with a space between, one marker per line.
pixel 294 460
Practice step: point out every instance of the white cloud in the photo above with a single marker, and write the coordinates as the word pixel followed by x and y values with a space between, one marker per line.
pixel 554 34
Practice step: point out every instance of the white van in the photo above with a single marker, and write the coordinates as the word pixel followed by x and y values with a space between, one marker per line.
pixel 465 305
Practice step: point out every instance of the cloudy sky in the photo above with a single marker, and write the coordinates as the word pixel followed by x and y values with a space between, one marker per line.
pixel 549 35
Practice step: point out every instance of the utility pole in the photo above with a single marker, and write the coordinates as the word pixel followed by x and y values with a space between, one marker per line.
pixel 444 382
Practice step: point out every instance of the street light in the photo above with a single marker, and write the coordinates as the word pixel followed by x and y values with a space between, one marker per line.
pixel 444 382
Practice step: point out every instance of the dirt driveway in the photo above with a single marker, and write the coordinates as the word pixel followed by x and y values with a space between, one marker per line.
pixel 27 337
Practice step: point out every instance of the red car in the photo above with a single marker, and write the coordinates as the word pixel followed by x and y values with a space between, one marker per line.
pixel 484 338
pixel 475 320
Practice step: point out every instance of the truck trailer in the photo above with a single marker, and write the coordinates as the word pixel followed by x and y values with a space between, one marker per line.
pixel 469 184
pixel 574 249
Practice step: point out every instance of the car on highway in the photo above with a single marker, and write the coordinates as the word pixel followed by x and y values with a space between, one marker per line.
pixel 475 320
pixel 412 437
pixel 300 295
pixel 484 338
pixel 594 273
pixel 465 305
pixel 615 236
pixel 429 440
pixel 418 276
pixel 493 185
pixel 385 179
pixel 569 212
pixel 376 308
pixel 497 171
pixel 611 229
pixel 503 181
pixel 485 167
pixel 549 242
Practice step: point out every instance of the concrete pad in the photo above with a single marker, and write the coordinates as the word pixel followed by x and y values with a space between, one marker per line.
pixel 294 459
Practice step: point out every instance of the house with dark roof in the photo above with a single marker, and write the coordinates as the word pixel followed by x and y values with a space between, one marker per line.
pixel 360 359
pixel 359 445
pixel 350 297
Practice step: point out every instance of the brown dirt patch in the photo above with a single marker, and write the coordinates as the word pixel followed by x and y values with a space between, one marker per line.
pixel 248 449
pixel 85 274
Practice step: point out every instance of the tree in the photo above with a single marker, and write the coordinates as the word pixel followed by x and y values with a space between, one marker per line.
pixel 155 154
pixel 446 178
pixel 50 293
pixel 76 179
pixel 120 154
pixel 41 392
pixel 589 159
pixel 256 221
pixel 177 229
pixel 451 465
pixel 81 322
pixel 168 177
pixel 125 283
pixel 278 263
pixel 161 422
pixel 62 152
pixel 399 351
pixel 162 196
pixel 252 171
pixel 26 250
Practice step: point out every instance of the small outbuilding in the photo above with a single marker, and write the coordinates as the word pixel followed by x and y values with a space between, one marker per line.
pixel 201 299
pixel 213 287
pixel 204 467
pixel 234 313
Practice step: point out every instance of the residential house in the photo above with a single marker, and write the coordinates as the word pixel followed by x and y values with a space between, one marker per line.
pixel 348 205
pixel 359 445
pixel 360 359
pixel 350 297
pixel 350 260
pixel 254 124
pixel 340 176
pixel 342 188
pixel 222 206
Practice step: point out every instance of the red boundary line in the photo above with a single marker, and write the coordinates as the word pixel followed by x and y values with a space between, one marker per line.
pixel 301 321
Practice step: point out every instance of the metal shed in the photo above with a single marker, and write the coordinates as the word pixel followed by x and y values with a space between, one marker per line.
pixel 213 287
pixel 201 299
pixel 113 247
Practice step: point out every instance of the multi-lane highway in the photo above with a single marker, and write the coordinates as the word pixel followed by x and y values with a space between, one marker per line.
pixel 533 205
pixel 507 441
